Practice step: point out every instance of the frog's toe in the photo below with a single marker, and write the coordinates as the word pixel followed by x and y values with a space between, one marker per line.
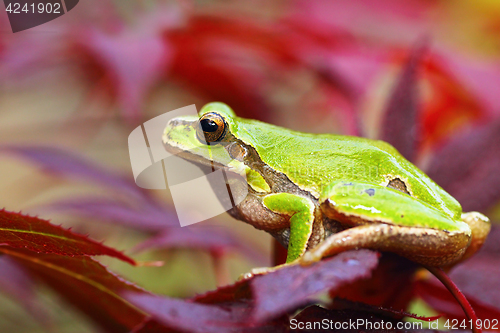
pixel 309 258
pixel 480 227
pixel 245 276
pixel 256 271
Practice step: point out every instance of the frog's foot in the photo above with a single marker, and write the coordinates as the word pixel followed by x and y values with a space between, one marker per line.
pixel 425 246
pixel 480 227
pixel 263 270
pixel 310 257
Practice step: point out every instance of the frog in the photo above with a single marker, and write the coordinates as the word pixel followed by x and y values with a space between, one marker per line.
pixel 323 194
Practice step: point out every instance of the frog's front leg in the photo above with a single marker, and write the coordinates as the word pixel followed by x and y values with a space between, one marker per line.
pixel 301 212
pixel 386 219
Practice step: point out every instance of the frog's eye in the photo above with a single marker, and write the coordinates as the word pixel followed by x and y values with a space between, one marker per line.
pixel 212 127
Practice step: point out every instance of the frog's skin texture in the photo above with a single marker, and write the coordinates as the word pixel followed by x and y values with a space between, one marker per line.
pixel 321 194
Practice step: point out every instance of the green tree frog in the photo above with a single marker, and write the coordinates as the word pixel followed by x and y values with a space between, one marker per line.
pixel 321 194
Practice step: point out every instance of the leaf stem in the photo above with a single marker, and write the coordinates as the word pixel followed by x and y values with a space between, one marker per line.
pixel 459 296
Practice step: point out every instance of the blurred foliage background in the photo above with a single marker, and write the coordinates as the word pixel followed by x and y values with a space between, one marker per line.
pixel 84 81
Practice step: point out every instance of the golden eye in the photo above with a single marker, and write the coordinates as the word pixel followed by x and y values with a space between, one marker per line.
pixel 212 127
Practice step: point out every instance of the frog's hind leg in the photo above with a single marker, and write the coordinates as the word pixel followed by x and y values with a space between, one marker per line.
pixel 425 246
pixel 387 219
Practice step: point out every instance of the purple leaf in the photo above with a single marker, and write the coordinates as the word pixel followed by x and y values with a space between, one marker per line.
pixel 351 320
pixel 347 73
pixel 288 288
pixel 140 211
pixel 133 60
pixel 147 216
pixel 358 66
pixel 230 293
pixel 492 245
pixel 467 167
pixel 477 278
pixel 400 119
pixel 194 317
pixel 63 163
pixel 213 239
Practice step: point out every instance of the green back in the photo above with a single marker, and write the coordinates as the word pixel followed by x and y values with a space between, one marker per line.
pixel 313 161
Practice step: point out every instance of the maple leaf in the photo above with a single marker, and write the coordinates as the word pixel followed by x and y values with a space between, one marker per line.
pixel 261 303
pixel 37 235
pixel 61 259
pixel 399 126
pixel 86 284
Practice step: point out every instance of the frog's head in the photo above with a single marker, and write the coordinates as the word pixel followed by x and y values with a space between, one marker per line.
pixel 205 139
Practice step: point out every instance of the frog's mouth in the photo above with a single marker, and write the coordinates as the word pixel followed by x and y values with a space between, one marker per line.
pixel 194 158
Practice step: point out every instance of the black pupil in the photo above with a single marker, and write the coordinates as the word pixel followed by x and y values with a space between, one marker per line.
pixel 208 125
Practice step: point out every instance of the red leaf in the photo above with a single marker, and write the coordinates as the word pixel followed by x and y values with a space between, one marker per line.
pixel 34 234
pixel 86 284
pixel 467 167
pixel 279 253
pixel 132 60
pixel 399 122
pixel 290 287
pixel 448 106
pixel 214 54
